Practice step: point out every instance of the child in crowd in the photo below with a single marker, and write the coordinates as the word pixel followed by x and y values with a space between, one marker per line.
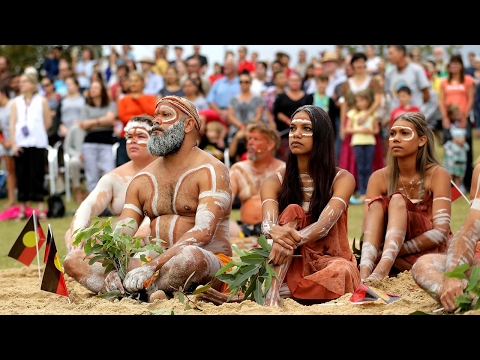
pixel 363 139
pixel 456 148
pixel 320 98
pixel 214 131
pixel 404 95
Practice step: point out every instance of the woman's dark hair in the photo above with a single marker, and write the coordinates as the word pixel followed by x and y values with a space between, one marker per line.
pixel 458 59
pixel 198 83
pixel 104 95
pixel 358 55
pixel 321 166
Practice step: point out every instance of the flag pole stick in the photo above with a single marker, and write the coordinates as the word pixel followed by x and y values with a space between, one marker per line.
pixel 460 191
pixel 36 242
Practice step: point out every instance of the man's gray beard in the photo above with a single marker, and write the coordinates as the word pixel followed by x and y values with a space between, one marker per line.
pixel 252 156
pixel 168 143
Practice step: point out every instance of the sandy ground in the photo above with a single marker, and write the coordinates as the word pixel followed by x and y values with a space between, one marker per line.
pixel 20 293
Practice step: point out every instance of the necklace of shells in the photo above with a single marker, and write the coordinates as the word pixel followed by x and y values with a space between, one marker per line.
pixel 411 187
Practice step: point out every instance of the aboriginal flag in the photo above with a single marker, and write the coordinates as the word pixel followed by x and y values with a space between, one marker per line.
pixel 25 247
pixel 366 294
pixel 456 192
pixel 53 279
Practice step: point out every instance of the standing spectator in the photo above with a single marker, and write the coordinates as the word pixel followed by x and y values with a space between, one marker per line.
pixel 97 120
pixel 441 63
pixel 71 106
pixel 211 141
pixel 322 100
pixel 456 148
pixel 201 58
pixel 458 88
pixel 476 110
pixel 6 151
pixel 53 99
pixel 285 105
pixel 120 86
pixel 302 64
pixel 29 120
pixel 161 63
pixel 50 65
pixel 194 71
pixel 243 64
pixel 64 70
pixel 217 73
pixel 5 73
pixel 153 82
pixel 172 83
pixel 243 107
pixel 476 72
pixel 259 79
pixel 405 72
pixel 404 96
pixel 363 138
pixel 373 60
pixel 470 69
pixel 178 56
pixel 359 80
pixel 331 67
pixel 308 79
pixel 126 56
pixel 274 67
pixel 15 84
pixel 192 90
pixel 271 93
pixel 224 89
pixel 415 55
pixel 135 103
pixel 83 68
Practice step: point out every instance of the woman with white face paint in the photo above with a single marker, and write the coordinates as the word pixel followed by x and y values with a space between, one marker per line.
pixel 463 248
pixel 304 214
pixel 408 206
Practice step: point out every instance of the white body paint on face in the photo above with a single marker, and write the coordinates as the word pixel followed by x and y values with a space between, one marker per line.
pixel 403 127
pixel 133 133
pixel 166 108
pixel 301 121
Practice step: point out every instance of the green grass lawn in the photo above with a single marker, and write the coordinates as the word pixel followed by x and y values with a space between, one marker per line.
pixel 10 229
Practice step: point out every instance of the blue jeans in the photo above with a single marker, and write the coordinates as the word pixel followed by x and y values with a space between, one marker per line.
pixel 363 160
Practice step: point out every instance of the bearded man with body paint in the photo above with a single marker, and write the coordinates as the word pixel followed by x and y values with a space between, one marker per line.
pixel 408 206
pixel 463 248
pixel 187 196
pixel 111 188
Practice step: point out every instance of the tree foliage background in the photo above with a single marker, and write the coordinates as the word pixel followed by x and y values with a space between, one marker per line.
pixel 22 56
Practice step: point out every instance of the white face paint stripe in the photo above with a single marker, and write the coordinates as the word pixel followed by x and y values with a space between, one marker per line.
pixel 155 191
pixel 403 127
pixel 133 207
pixel 292 135
pixel 301 121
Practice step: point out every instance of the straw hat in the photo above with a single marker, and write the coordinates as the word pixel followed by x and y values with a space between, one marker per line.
pixel 329 56
pixel 147 60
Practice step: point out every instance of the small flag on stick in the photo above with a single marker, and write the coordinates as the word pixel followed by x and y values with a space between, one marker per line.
pixel 29 242
pixel 365 294
pixel 53 280
pixel 457 193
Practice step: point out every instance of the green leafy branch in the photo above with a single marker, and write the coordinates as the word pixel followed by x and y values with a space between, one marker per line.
pixel 112 249
pixel 471 291
pixel 252 275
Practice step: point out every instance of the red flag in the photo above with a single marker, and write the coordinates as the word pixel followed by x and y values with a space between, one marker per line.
pixel 457 193
pixel 25 247
pixel 53 279
pixel 365 294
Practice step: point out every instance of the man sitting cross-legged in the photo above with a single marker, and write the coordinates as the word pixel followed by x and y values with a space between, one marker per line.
pixel 187 195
